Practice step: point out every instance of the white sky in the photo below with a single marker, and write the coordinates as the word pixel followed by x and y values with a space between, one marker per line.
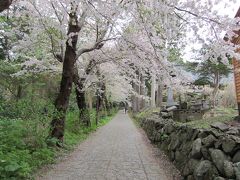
pixel 227 8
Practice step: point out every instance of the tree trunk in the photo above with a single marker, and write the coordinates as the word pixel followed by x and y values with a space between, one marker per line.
pixel 98 104
pixel 32 88
pixel 90 100
pixel 101 100
pixel 4 4
pixel 160 94
pixel 153 93
pixel 98 96
pixel 19 92
pixel 104 98
pixel 110 105
pixel 62 101
pixel 135 100
pixel 142 92
pixel 215 90
pixel 84 114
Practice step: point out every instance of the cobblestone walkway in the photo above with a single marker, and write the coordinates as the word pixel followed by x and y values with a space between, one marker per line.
pixel 116 151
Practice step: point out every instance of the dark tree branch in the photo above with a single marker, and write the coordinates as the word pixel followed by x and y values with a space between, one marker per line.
pixel 180 17
pixel 98 45
pixel 196 15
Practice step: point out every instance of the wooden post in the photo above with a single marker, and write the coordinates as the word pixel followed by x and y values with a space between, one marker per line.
pixel 236 68
pixel 236 63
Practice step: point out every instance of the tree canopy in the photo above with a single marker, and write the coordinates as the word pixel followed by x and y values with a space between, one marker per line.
pixel 87 56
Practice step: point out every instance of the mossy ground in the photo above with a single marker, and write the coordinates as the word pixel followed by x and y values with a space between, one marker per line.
pixel 221 114
pixel 224 115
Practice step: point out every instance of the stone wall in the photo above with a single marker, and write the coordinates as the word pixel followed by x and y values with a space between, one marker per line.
pixel 198 154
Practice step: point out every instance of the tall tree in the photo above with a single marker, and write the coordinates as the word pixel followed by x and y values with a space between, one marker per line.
pixel 212 73
pixel 70 56
pixel 86 17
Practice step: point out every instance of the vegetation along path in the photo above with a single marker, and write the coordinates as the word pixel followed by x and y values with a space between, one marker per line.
pixel 116 151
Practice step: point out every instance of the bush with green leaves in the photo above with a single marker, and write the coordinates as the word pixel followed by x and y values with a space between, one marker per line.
pixel 22 148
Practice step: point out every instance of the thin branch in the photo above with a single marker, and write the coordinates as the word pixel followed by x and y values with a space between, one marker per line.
pixel 98 11
pixel 81 20
pixel 47 31
pixel 65 9
pixel 215 33
pixel 57 56
pixel 97 45
pixel 196 15
pixel 97 32
pixel 152 44
pixel 180 17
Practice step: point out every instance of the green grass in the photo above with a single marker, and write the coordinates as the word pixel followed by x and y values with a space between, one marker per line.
pixel 146 113
pixel 75 133
pixel 226 111
pixel 221 115
pixel 137 117
pixel 23 146
pixel 206 123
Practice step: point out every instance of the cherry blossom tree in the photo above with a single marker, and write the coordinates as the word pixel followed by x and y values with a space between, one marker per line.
pixel 62 23
pixel 163 23
pixel 138 36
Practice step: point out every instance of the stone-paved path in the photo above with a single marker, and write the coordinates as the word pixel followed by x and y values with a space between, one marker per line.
pixel 116 151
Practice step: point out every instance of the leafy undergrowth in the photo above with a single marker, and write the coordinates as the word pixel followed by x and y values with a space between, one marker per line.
pixel 23 147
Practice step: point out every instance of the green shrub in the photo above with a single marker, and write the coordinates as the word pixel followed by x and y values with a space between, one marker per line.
pixel 24 127
pixel 22 150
